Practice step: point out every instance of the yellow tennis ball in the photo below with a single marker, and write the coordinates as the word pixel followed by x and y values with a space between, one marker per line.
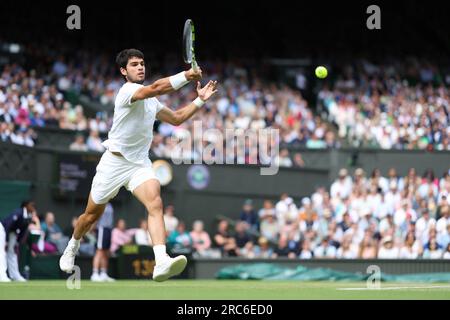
pixel 321 72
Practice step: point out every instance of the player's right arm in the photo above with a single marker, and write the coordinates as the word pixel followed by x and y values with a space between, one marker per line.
pixel 167 85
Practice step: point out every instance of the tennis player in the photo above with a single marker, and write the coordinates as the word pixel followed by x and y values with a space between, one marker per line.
pixel 125 161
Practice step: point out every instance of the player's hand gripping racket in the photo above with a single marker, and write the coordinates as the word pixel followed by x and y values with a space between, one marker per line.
pixel 188 44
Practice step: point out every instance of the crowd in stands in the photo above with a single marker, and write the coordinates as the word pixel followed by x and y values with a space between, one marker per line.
pixel 390 106
pixel 362 215
pixel 403 105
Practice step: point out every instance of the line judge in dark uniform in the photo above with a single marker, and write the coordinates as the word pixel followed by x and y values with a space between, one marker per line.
pixel 12 230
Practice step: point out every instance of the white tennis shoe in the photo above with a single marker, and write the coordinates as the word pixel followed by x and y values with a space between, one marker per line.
pixel 168 268
pixel 67 260
pixel 105 277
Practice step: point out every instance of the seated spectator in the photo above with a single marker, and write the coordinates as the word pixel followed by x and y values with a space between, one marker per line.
pixel 180 238
pixel 266 211
pixel 367 248
pixel 306 250
pixel 347 250
pixel 387 249
pixel 283 250
pixel 284 160
pixel 224 241
pixel 142 236
pixel 94 142
pixel 241 235
pixel 263 250
pixel 269 227
pixel 121 236
pixel 200 238
pixel 248 251
pixel 170 221
pixel 78 144
pixel 53 233
pixel 298 161
pixel 40 246
pixel 325 250
pixel 249 216
pixel 432 250
pixel 411 248
pixel 446 254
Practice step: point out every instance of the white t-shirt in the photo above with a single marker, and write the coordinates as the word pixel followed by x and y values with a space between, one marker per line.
pixel 132 130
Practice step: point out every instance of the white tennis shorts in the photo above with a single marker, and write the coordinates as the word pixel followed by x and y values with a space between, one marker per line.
pixel 114 172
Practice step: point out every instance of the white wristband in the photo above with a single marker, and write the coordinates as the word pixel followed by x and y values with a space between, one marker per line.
pixel 179 80
pixel 198 102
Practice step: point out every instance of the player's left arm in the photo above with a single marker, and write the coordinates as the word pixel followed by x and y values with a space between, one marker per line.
pixel 181 115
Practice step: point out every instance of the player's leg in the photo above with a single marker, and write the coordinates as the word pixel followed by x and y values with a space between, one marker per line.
pixel 90 216
pixel 148 193
pixel 85 222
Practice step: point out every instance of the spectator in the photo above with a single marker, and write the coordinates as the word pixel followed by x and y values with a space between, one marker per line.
pixel 283 250
pixel 325 250
pixel 298 161
pixel 367 249
pixel 347 250
pixel 410 249
pixel 284 159
pixel 142 236
pixel 446 254
pixel 266 211
pixel 180 239
pixel 249 216
pixel 170 221
pixel 94 142
pixel 201 242
pixel 269 227
pixel 387 249
pixel 40 246
pixel 241 235
pixel 224 241
pixel 121 236
pixel 432 250
pixel 264 250
pixel 306 251
pixel 342 187
pixel 78 144
pixel 53 233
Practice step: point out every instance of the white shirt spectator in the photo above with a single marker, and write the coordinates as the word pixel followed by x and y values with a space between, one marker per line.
pixel 142 238
pixel 423 225
pixel 341 188
pixel 386 253
pixel 171 223
pixel 350 253
pixel 322 251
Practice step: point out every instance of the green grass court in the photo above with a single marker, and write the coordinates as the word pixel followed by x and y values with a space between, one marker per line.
pixel 221 289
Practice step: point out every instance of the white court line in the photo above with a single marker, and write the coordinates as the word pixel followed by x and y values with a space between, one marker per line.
pixel 394 288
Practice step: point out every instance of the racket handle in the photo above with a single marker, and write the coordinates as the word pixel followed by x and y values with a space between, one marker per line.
pixel 194 65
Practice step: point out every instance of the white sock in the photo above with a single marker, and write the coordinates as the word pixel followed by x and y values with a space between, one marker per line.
pixel 74 242
pixel 160 252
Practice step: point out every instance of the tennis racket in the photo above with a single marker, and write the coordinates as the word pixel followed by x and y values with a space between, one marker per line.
pixel 188 44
